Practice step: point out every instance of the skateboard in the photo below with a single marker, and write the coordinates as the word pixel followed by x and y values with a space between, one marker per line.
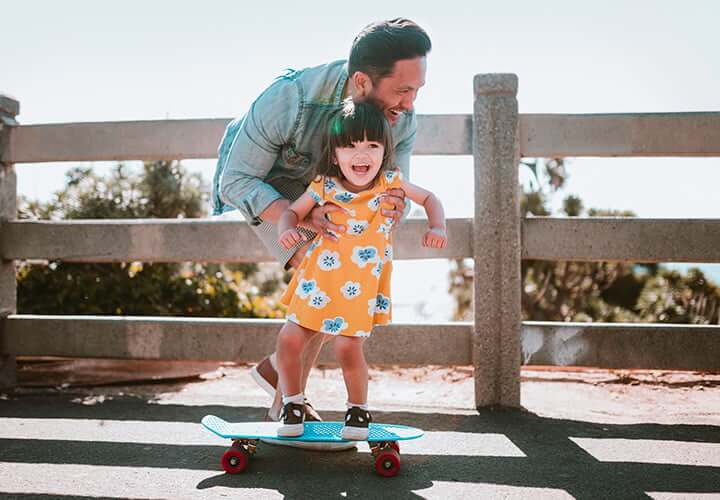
pixel 382 439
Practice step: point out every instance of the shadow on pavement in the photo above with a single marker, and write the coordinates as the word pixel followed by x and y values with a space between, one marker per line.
pixel 552 459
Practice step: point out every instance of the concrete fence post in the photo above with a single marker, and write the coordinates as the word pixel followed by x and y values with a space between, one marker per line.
pixel 9 109
pixel 497 249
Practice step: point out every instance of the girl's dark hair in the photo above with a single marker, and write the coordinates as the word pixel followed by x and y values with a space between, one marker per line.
pixel 380 45
pixel 352 123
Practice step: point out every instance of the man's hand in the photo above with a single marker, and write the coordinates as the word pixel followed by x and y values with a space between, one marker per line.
pixel 318 222
pixel 394 197
pixel 435 238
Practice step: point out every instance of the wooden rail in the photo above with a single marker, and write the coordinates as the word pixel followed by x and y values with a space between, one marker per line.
pixel 497 238
pixel 540 135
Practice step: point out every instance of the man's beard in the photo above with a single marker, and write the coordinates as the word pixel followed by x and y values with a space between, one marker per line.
pixel 382 107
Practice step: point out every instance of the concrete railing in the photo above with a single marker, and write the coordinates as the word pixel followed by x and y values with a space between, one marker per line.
pixel 496 341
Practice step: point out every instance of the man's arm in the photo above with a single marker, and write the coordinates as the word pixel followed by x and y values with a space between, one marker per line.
pixel 254 148
pixel 403 151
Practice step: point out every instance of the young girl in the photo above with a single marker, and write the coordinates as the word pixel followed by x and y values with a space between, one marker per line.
pixel 342 288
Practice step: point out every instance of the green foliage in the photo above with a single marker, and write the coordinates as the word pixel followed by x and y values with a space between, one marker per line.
pixel 670 297
pixel 163 190
pixel 593 291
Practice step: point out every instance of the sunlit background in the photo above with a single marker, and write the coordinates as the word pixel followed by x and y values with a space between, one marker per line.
pixel 78 61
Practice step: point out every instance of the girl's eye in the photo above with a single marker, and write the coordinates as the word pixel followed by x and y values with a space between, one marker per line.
pixel 374 145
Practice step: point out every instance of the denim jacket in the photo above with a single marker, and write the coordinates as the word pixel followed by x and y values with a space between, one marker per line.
pixel 278 142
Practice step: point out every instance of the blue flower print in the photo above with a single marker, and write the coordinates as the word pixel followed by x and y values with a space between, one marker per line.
pixel 379 305
pixel 356 227
pixel 382 304
pixel 327 261
pixel 364 255
pixel 377 270
pixel 329 184
pixel 350 289
pixel 334 326
pixel 388 253
pixel 315 196
pixel 344 197
pixel 312 246
pixel 390 175
pixel 374 204
pixel 318 299
pixel 305 288
pixel 384 229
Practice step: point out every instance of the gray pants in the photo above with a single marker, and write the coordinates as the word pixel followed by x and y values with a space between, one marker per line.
pixel 267 232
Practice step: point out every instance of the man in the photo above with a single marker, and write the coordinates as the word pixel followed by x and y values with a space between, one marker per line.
pixel 267 158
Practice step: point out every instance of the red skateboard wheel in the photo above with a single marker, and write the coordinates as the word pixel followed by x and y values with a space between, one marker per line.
pixel 387 463
pixel 234 460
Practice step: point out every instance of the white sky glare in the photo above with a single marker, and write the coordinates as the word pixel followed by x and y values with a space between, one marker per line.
pixel 77 61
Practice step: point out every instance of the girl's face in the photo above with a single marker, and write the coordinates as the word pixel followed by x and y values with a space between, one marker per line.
pixel 360 163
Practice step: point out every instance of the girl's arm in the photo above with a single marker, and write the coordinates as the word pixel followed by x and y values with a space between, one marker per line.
pixel 288 235
pixel 436 237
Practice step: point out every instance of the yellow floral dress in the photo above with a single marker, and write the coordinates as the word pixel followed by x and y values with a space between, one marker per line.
pixel 343 287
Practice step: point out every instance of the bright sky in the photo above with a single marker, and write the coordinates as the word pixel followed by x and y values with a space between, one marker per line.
pixel 77 61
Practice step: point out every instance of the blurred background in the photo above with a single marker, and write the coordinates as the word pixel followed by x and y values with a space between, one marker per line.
pixel 79 61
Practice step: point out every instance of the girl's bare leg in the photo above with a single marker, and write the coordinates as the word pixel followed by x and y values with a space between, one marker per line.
pixel 309 359
pixel 291 343
pixel 349 353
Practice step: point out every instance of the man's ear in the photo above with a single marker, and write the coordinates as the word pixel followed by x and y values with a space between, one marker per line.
pixel 363 83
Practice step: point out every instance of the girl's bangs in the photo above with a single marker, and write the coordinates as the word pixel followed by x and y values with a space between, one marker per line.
pixel 362 124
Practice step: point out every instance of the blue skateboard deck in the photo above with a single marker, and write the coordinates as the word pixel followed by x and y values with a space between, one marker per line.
pixel 315 432
pixel 382 439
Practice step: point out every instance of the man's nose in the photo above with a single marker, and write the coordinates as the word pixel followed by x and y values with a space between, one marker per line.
pixel 408 100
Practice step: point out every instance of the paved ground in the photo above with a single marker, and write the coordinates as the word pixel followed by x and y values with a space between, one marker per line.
pixel 592 434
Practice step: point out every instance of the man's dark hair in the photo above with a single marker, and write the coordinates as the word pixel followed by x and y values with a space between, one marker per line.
pixel 380 45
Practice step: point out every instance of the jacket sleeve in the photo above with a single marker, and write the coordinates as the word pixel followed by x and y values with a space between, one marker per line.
pixel 254 144
pixel 403 151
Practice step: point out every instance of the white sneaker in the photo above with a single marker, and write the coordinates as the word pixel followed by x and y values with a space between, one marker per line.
pixel 357 424
pixel 293 420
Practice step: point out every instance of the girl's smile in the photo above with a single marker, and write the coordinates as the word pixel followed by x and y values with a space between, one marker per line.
pixel 359 163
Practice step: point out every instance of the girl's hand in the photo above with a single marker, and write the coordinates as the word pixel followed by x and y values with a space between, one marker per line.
pixel 290 238
pixel 435 238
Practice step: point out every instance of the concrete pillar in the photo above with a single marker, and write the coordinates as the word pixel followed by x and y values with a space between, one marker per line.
pixel 9 109
pixel 497 281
